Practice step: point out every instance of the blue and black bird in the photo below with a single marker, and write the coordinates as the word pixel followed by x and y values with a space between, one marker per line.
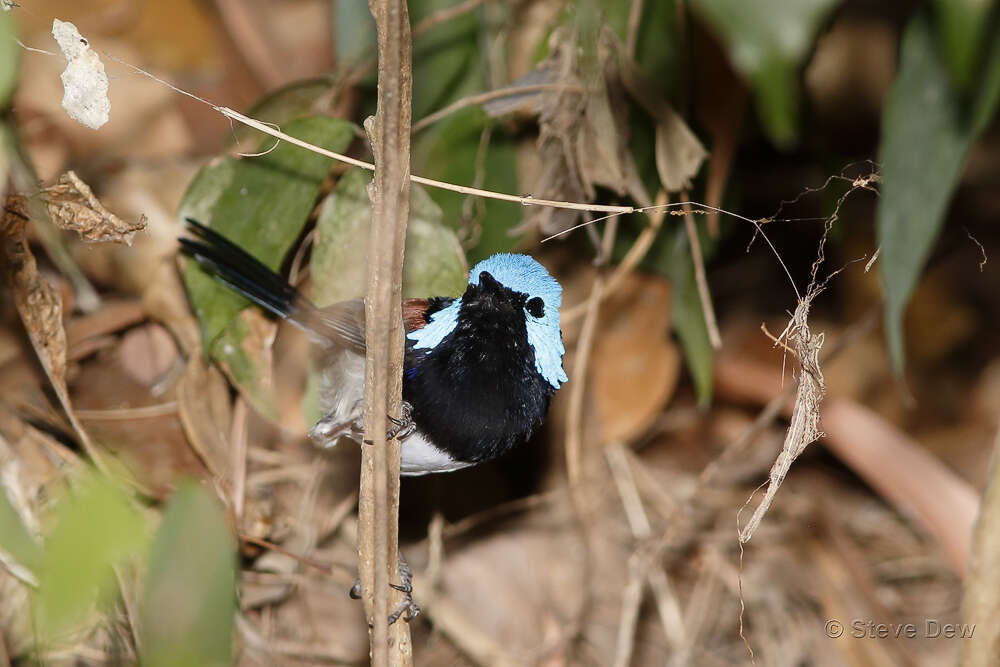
pixel 479 369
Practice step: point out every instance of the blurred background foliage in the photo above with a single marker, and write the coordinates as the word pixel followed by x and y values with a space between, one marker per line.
pixel 778 111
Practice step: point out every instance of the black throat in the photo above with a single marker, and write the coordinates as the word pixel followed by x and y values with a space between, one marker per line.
pixel 477 394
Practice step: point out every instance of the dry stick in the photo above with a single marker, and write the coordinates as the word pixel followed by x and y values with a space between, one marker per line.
pixel 981 603
pixel 631 600
pixel 473 100
pixel 699 276
pixel 389 131
pixel 238 441
pixel 667 605
pixel 634 17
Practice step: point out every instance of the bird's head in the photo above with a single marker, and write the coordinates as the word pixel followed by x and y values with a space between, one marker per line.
pixel 508 286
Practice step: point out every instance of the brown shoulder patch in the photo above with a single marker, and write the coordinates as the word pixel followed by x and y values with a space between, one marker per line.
pixel 413 313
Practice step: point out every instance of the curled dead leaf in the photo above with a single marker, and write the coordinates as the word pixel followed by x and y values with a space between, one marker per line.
pixel 73 206
pixel 40 308
pixel 679 154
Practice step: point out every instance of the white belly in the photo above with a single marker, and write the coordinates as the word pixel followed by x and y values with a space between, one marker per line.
pixel 419 457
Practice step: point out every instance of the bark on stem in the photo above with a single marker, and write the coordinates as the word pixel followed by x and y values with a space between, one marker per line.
pixel 378 508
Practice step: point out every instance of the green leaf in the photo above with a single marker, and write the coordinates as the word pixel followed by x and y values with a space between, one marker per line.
pixel 353 31
pixel 962 26
pixel 450 153
pixel 688 316
pixel 96 527
pixel 261 204
pixel 189 596
pixel 767 41
pixel 434 262
pixel 656 38
pixel 926 135
pixel 10 55
pixel 16 543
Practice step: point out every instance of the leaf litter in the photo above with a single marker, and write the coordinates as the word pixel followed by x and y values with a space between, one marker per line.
pixel 526 608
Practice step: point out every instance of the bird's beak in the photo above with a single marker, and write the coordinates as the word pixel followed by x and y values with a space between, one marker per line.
pixel 488 283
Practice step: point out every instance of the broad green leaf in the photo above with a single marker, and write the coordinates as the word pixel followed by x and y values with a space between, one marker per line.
pixel 767 41
pixel 96 527
pixel 261 204
pixel 926 135
pixel 688 316
pixel 206 188
pixel 962 26
pixel 10 55
pixel 189 596
pixel 434 262
pixel 16 543
pixel 353 31
pixel 450 153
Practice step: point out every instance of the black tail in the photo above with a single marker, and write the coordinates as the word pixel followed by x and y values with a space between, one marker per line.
pixel 235 267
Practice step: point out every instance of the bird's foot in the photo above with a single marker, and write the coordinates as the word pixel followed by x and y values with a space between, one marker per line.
pixel 329 428
pixel 407 608
pixel 404 426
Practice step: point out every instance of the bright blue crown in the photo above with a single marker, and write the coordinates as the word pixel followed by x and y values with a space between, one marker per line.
pixel 523 274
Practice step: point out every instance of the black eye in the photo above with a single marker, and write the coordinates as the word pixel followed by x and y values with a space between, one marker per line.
pixel 536 307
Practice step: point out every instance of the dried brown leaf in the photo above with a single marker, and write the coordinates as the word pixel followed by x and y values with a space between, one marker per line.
pixel 203 404
pixel 40 308
pixel 583 130
pixel 635 365
pixel 73 206
pixel 679 154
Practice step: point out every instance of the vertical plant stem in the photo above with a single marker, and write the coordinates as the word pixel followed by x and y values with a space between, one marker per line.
pixel 378 508
pixel 699 275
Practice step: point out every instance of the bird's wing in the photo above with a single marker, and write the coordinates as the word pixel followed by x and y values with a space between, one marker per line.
pixel 340 324
pixel 347 320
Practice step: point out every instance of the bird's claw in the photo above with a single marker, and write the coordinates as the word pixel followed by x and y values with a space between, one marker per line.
pixel 404 426
pixel 407 608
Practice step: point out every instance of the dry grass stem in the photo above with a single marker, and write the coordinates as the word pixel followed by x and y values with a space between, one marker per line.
pixel 482 98
pixel 699 275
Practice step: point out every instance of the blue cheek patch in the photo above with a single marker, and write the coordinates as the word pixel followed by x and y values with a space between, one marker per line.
pixel 442 323
pixel 547 342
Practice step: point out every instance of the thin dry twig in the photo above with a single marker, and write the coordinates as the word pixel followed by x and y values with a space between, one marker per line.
pixel 701 281
pixel 238 440
pixel 482 98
